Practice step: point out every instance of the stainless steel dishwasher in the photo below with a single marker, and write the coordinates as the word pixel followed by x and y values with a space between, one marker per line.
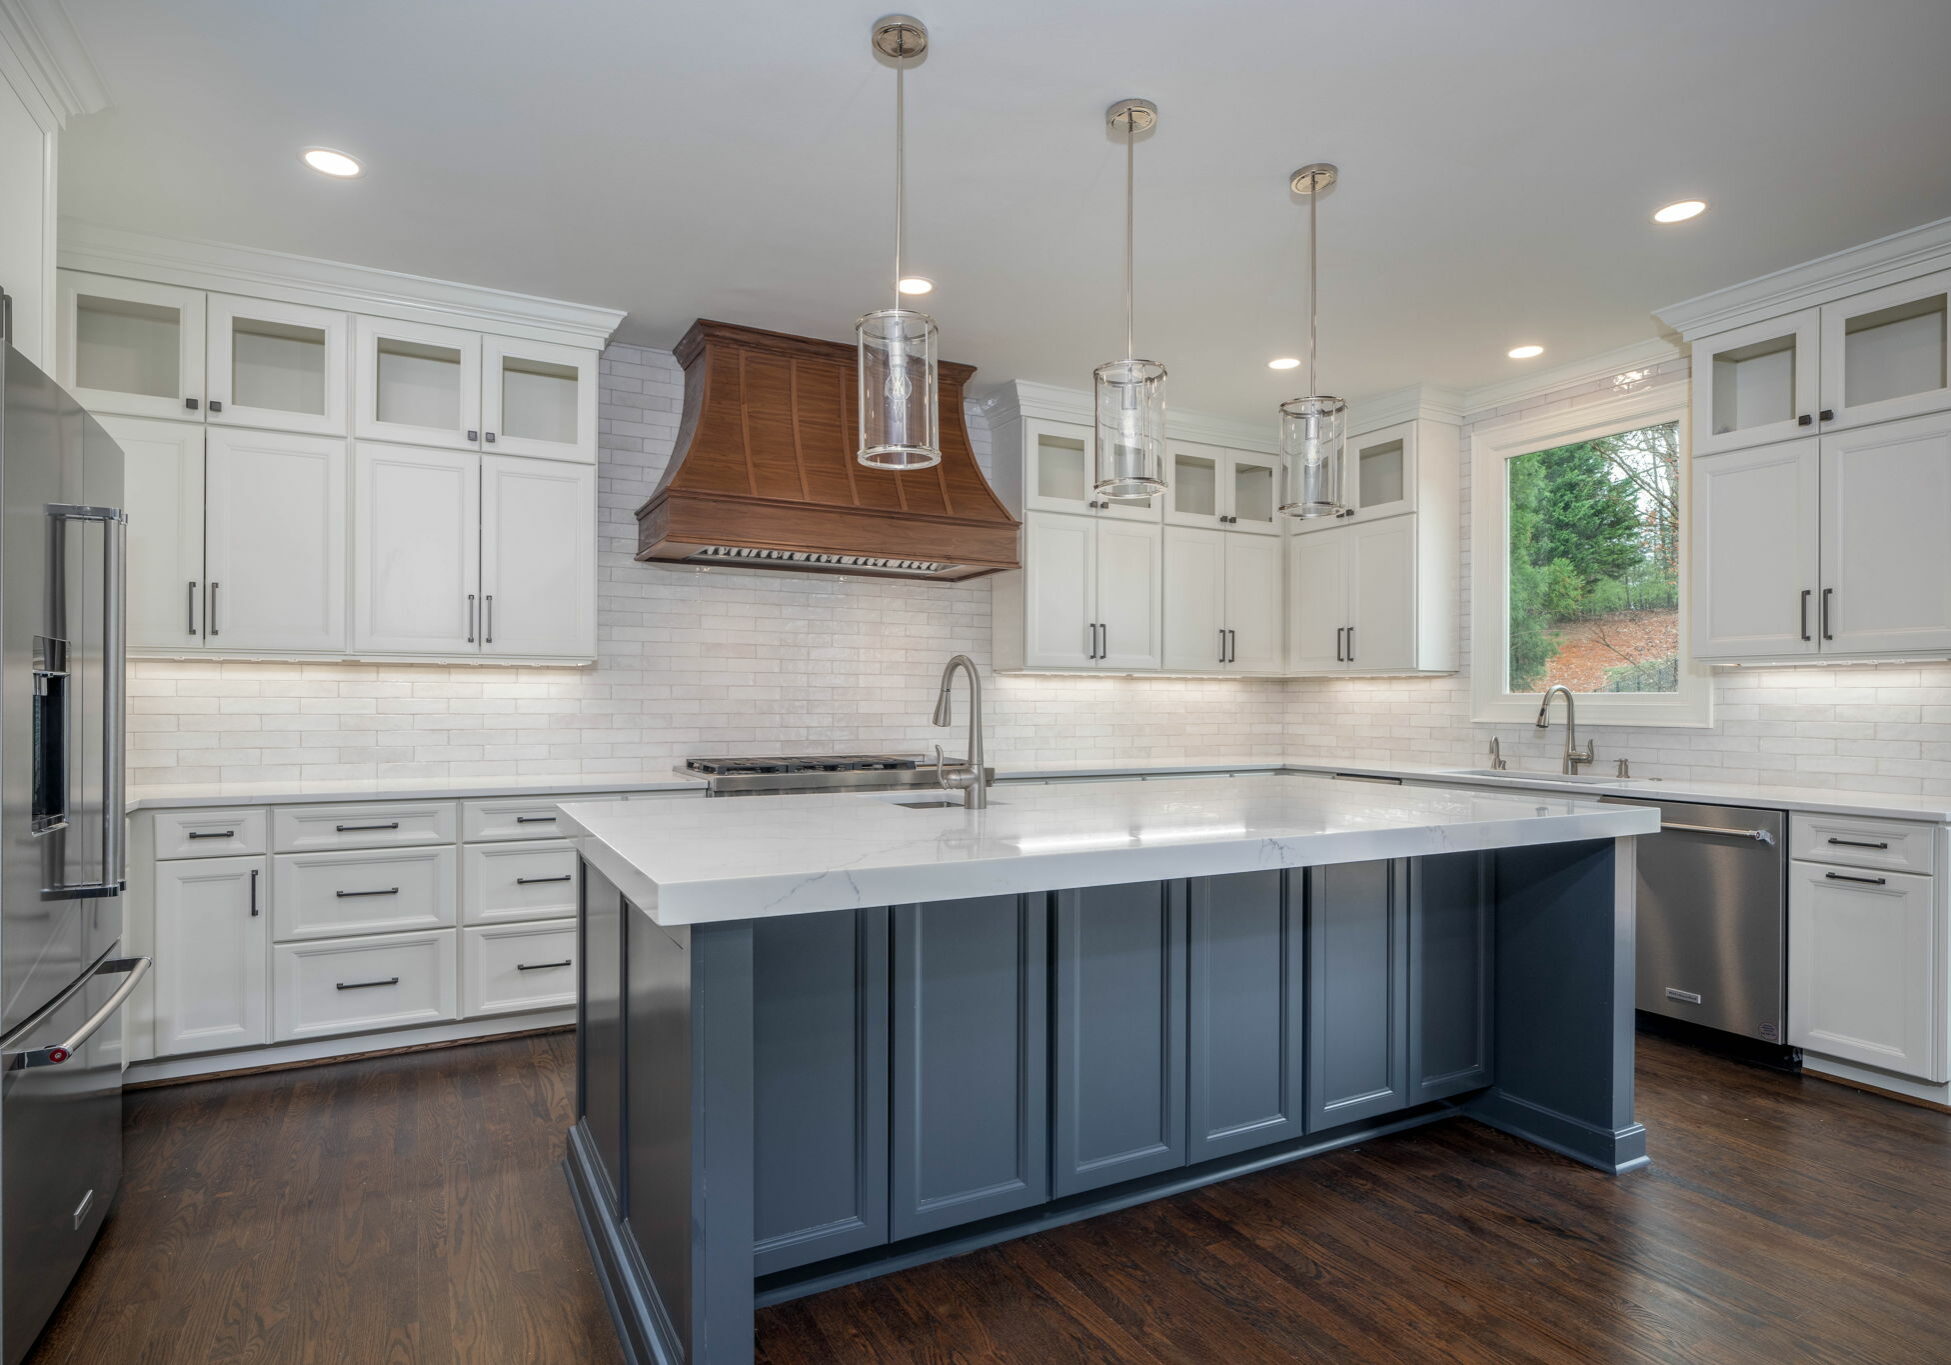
pixel 1713 917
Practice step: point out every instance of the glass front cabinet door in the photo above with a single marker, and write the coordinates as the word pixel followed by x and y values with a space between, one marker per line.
pixel 1378 477
pixel 131 347
pixel 538 399
pixel 1884 353
pixel 1057 474
pixel 1756 384
pixel 417 383
pixel 1210 487
pixel 276 365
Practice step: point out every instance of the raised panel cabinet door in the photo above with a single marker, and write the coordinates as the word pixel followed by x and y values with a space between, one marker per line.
pixel 1357 992
pixel 970 1036
pixel 213 944
pixel 1886 557
pixel 162 490
pixel 538 558
pixel 1756 552
pixel 1195 600
pixel 278 365
pixel 1382 595
pixel 1450 955
pixel 1886 354
pixel 1118 1030
pixel 416 383
pixel 416 550
pixel 1059 591
pixel 1246 1069
pixel 274 541
pixel 1863 979
pixel 1130 588
pixel 1756 384
pixel 1254 635
pixel 131 347
pixel 538 399
pixel 1317 604
pixel 820 1000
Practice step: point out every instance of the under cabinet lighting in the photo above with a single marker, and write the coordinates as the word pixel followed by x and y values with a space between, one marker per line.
pixel 1285 362
pixel 1525 352
pixel 328 162
pixel 1681 212
pixel 916 284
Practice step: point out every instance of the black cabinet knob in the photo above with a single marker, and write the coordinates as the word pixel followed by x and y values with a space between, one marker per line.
pixel 1805 420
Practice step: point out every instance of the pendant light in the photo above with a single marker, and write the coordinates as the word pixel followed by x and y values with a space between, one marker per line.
pixel 900 418
pixel 1312 428
pixel 1130 392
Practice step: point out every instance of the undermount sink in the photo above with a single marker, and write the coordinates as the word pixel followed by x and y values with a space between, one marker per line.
pixel 1599 779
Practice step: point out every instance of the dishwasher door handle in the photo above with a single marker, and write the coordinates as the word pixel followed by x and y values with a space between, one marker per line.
pixel 1760 836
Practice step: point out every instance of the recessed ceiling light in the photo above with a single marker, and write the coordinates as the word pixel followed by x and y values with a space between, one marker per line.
pixel 1286 362
pixel 1524 352
pixel 916 284
pixel 328 162
pixel 1681 212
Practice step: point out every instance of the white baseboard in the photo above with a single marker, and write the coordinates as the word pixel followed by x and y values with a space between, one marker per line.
pixel 1874 1079
pixel 332 1049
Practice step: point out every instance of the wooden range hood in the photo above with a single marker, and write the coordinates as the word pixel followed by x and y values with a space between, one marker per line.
pixel 764 475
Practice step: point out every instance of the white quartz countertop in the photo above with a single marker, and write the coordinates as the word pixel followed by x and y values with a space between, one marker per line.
pixel 398 789
pixel 686 862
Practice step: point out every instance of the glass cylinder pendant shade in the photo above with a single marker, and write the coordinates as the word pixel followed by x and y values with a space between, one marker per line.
pixel 1311 435
pixel 1130 429
pixel 900 417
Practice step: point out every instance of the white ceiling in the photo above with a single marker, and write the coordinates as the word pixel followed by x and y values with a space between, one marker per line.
pixel 729 158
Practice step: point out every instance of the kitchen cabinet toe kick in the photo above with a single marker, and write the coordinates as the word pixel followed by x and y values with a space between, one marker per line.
pixel 771 1108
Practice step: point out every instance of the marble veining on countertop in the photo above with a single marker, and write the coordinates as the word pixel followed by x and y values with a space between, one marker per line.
pixel 693 862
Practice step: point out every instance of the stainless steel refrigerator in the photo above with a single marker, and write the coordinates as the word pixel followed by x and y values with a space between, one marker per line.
pixel 63 979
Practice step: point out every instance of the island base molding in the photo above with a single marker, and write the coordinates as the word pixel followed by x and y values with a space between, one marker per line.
pixel 769 1109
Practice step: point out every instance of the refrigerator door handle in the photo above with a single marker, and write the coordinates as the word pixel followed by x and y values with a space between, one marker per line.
pixel 56 1053
pixel 115 530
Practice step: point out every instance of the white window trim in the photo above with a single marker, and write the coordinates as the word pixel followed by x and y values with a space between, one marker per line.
pixel 1490 584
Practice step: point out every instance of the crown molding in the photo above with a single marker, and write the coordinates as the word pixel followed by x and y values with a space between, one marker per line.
pixel 230 269
pixel 1615 364
pixel 1887 260
pixel 43 59
pixel 1418 402
pixel 1015 399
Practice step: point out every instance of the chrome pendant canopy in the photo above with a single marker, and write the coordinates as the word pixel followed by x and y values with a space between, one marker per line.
pixel 1130 392
pixel 1313 428
pixel 899 398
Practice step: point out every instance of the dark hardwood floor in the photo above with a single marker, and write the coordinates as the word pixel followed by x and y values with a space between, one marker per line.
pixel 411 1209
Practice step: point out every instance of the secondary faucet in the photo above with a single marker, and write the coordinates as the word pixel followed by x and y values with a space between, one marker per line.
pixel 970 777
pixel 1574 756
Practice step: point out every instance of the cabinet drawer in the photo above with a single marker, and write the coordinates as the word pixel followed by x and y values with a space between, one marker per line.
pixel 302 829
pixel 532 817
pixel 1887 845
pixel 501 883
pixel 208 833
pixel 329 895
pixel 344 985
pixel 509 967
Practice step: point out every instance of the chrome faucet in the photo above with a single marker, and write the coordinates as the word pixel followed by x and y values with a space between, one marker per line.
pixel 1497 762
pixel 1574 756
pixel 970 777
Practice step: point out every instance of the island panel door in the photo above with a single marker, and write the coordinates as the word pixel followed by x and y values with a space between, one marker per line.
pixel 1357 992
pixel 1247 1030
pixel 599 1019
pixel 970 1034
pixel 1449 976
pixel 1118 1001
pixel 819 1077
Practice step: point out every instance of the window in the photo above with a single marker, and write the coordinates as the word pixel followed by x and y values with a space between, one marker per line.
pixel 1584 582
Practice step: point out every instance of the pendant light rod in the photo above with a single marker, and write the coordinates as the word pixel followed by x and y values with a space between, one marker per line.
pixel 1310 180
pixel 902 39
pixel 1131 349
pixel 1131 117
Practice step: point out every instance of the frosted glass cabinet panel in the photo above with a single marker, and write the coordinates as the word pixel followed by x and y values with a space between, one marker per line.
pixel 538 400
pixel 1756 384
pixel 1884 353
pixel 417 383
pixel 278 365
pixel 1215 488
pixel 131 347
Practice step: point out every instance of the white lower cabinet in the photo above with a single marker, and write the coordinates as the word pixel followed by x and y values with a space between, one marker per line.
pixel 501 883
pixel 366 891
pixel 211 940
pixel 518 967
pixel 1865 982
pixel 344 985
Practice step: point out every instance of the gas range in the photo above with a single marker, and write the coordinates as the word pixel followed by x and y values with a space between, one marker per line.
pixel 773 775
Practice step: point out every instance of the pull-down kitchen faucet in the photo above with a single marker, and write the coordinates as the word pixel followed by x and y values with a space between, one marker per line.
pixel 970 777
pixel 1574 756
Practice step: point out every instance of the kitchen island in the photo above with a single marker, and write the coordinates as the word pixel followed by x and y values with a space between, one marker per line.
pixel 825 1037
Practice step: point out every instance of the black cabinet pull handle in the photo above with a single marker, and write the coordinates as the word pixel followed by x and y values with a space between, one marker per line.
pixel 1339 632
pixel 216 405
pixel 488 620
pixel 530 881
pixel 1827 415
pixel 210 612
pixel 1805 420
pixel 1827 593
pixel 470 618
pixel 538 966
pixel 1351 644
pixel 362 985
pixel 1859 843
pixel 1867 881
pixel 225 834
pixel 253 893
pixel 353 829
pixel 348 895
pixel 190 403
pixel 1222 644
pixel 192 608
pixel 535 819
pixel 1806 594
pixel 474 435
pixel 489 437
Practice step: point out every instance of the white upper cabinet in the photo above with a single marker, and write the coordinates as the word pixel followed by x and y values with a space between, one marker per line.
pixel 1886 554
pixel 1756 565
pixel 1130 582
pixel 1207 486
pixel 416 550
pixel 538 558
pixel 275 528
pixel 1056 469
pixel 162 481
pixel 1255 631
pixel 1756 384
pixel 1195 599
pixel 1375 598
pixel 1382 597
pixel 538 400
pixel 416 383
pixel 1884 353
pixel 131 347
pixel 1317 605
pixel 278 365
pixel 1053 596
